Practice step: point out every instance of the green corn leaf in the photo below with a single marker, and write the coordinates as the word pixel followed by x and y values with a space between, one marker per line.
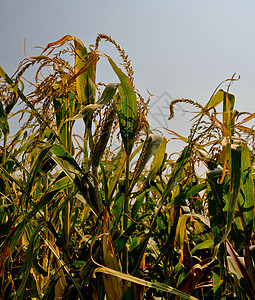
pixel 228 101
pixel 204 245
pixel 85 82
pixel 126 108
pixel 84 182
pixel 187 193
pixel 108 93
pixel 120 242
pixel 3 120
pixel 174 179
pixel 158 159
pixel 105 185
pixel 235 184
pixel 59 184
pixel 216 99
pixel 244 220
pixel 86 112
pixel 65 160
pixel 137 205
pixel 218 196
pixel 236 155
pixel 33 175
pixel 118 206
pixel 65 106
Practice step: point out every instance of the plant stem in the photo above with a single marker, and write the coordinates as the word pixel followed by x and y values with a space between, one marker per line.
pixel 125 217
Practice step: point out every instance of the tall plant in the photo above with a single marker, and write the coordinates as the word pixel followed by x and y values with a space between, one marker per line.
pixel 106 212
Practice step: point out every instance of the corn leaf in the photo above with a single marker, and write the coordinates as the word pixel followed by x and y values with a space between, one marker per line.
pixel 21 292
pixel 234 189
pixel 85 81
pixel 159 286
pixel 106 97
pixel 64 266
pixel 216 99
pixel 84 182
pixel 3 120
pixel 245 200
pixel 204 245
pixel 126 109
pixel 228 114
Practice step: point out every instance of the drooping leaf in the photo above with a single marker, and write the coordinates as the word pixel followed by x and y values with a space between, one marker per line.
pixel 84 182
pixel 84 68
pixel 159 286
pixel 108 93
pixel 106 97
pixel 216 99
pixel 204 245
pixel 86 112
pixel 158 160
pixel 187 193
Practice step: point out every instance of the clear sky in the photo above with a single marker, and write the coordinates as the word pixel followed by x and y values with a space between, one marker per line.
pixel 180 47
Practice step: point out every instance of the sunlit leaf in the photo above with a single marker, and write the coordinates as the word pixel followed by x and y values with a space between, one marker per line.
pixel 84 68
pixel 159 286
pixel 204 245
pixel 126 108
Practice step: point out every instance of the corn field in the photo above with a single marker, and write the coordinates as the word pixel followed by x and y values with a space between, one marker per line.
pixel 92 204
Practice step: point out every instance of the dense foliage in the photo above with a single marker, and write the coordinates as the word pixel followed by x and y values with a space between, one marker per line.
pixel 108 212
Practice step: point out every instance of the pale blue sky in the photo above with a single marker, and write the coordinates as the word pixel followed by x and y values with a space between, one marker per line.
pixel 184 47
